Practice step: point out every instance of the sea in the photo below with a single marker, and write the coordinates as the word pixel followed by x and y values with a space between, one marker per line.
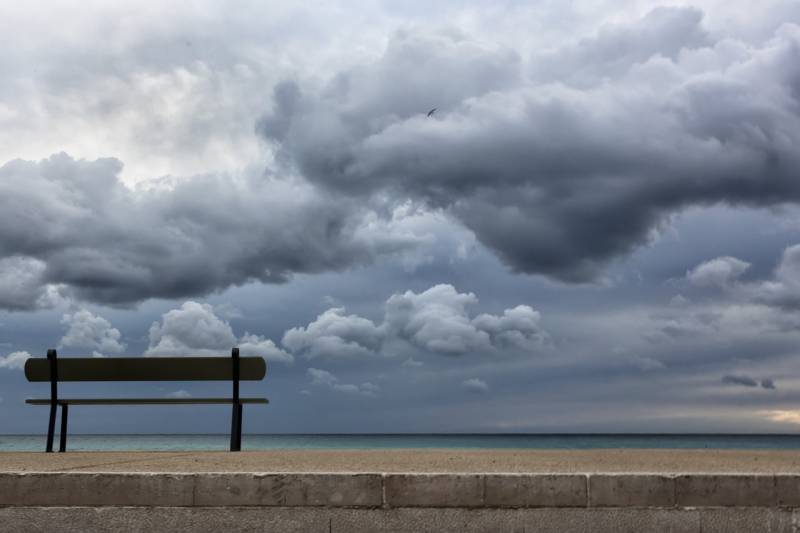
pixel 220 442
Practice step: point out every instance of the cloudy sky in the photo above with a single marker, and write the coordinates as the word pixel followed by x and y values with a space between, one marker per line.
pixel 598 230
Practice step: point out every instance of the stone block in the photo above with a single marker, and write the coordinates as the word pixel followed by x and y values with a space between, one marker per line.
pixel 96 489
pixel 289 490
pixel 787 490
pixel 725 490
pixel 433 490
pixel 746 520
pixel 535 490
pixel 631 490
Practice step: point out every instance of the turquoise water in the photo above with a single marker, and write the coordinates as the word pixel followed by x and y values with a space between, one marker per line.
pixel 482 441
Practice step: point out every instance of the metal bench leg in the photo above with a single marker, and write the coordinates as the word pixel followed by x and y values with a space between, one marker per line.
pixel 239 429
pixel 62 443
pixel 51 428
pixel 236 426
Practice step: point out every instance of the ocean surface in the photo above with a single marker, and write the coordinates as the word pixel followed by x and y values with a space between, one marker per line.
pixel 379 441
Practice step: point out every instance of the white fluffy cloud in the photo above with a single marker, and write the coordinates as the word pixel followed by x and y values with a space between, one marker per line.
pixel 437 321
pixel 475 385
pixel 434 321
pixel 335 334
pixel 515 328
pixel 14 360
pixel 784 289
pixel 250 344
pixel 781 290
pixel 719 272
pixel 86 330
pixel 194 329
pixel 327 379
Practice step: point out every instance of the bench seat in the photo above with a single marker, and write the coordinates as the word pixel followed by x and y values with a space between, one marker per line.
pixel 142 401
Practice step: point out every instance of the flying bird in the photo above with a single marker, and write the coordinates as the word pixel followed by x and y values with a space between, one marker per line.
pixel 432 111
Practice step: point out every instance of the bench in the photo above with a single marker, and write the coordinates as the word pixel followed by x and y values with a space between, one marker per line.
pixel 54 370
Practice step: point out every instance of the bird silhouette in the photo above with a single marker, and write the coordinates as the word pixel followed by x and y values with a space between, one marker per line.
pixel 432 111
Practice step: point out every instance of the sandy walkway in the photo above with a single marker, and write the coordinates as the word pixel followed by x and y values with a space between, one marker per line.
pixel 404 460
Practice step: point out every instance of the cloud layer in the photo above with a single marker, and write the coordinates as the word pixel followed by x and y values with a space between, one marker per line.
pixel 564 160
pixel 558 160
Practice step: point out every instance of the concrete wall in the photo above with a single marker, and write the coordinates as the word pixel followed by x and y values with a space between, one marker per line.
pixel 398 502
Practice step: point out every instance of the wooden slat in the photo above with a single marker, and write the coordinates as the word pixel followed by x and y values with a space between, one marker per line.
pixel 188 368
pixel 141 401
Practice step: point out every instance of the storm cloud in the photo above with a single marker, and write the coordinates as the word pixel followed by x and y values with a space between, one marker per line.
pixel 71 228
pixel 564 160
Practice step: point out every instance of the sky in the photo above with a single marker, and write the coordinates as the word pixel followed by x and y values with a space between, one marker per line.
pixel 597 230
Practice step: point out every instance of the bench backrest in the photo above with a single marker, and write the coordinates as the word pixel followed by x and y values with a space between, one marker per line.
pixel 146 369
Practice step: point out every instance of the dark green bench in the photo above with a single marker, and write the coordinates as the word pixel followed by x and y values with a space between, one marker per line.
pixel 233 369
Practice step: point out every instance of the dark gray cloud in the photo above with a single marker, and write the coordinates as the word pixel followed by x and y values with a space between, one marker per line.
pixel 563 168
pixel 747 381
pixel 71 227
pixel 22 284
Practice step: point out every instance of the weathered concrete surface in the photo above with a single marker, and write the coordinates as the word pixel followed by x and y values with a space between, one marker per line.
pixel 411 520
pixel 464 461
pixel 398 490
pixel 452 490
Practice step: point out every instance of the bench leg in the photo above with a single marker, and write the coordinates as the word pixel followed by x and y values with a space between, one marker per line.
pixel 239 429
pixel 51 428
pixel 62 443
pixel 236 427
